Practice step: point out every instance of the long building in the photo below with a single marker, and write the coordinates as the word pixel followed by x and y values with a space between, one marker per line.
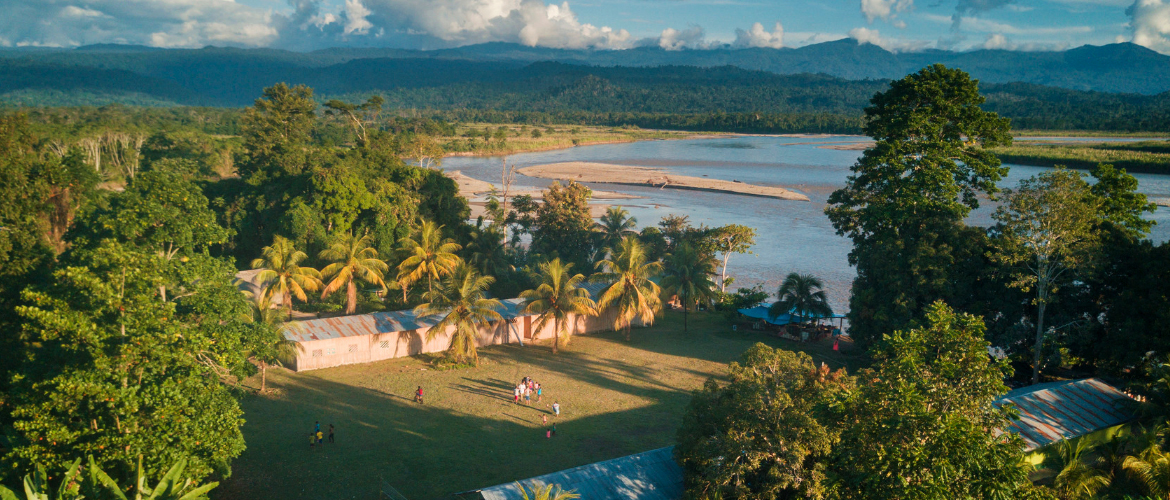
pixel 364 338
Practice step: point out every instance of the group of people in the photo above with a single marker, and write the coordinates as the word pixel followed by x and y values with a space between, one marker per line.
pixel 317 438
pixel 525 388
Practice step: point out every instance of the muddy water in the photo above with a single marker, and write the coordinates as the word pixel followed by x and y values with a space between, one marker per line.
pixel 792 236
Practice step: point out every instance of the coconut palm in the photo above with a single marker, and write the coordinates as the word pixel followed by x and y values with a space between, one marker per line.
pixel 1151 466
pixel 546 492
pixel 615 225
pixel 352 259
pixel 630 291
pixel 557 297
pixel 429 257
pixel 282 274
pixel 802 295
pixel 1075 478
pixel 688 276
pixel 462 300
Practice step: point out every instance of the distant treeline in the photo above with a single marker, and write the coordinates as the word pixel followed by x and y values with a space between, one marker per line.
pixel 726 99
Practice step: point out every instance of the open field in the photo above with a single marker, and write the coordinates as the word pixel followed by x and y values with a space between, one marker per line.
pixel 519 139
pixel 617 398
pixel 1145 157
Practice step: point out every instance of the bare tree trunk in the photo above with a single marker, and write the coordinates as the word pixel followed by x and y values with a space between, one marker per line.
pixel 350 297
pixel 723 279
pixel 556 334
pixel 263 376
pixel 1039 342
pixel 288 304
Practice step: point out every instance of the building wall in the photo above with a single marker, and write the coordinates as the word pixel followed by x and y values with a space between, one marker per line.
pixel 326 353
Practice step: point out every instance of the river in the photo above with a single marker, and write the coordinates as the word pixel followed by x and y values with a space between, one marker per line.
pixel 792 236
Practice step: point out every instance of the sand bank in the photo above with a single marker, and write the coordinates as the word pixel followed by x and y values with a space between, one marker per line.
pixel 605 173
pixel 1165 202
pixel 476 192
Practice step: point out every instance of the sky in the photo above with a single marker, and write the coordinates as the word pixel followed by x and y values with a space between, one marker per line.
pixel 897 25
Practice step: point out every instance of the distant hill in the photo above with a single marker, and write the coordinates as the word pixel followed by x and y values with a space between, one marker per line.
pixel 1115 89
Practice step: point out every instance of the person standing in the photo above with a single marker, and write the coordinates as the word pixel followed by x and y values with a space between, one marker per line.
pixel 320 438
pixel 316 426
pixel 516 395
pixel 556 409
pixel 538 392
pixel 528 396
pixel 330 433
pixel 418 395
pixel 543 419
pixel 312 441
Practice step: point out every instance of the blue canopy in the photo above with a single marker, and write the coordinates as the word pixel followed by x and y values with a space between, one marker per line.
pixel 761 312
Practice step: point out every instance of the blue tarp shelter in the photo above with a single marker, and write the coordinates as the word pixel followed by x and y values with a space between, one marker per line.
pixel 761 312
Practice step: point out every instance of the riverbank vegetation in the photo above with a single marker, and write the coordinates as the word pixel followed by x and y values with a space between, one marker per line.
pixel 1151 157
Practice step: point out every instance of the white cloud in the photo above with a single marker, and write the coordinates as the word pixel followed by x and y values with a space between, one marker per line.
pixel 355 17
pixel 164 23
pixel 1150 21
pixel 874 37
pixel 998 42
pixel 531 22
pixel 884 9
pixel 690 38
pixel 758 37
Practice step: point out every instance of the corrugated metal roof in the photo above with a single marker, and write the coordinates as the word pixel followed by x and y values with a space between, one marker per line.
pixel 651 475
pixel 387 322
pixel 1056 411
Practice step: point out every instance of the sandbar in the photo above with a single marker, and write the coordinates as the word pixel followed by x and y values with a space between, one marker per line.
pixel 604 173
pixel 476 192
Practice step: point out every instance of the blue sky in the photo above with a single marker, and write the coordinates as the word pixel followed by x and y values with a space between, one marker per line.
pixel 899 25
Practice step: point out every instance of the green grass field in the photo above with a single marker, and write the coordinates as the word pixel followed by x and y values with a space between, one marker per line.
pixel 1146 156
pixel 617 398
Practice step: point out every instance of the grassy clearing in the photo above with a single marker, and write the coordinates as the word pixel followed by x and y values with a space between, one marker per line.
pixel 519 138
pixel 1147 156
pixel 1085 133
pixel 617 398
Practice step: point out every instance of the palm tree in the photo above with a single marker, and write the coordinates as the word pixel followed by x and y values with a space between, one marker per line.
pixel 615 225
pixel 1151 466
pixel 283 275
pixel 546 492
pixel 688 275
pixel 429 257
pixel 557 297
pixel 268 346
pixel 462 299
pixel 802 295
pixel 1075 479
pixel 352 259
pixel 631 291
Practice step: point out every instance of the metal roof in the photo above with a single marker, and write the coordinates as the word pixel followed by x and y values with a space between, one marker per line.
pixel 388 322
pixel 651 475
pixel 1057 411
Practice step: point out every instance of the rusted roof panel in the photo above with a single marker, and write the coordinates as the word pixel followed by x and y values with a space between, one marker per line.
pixel 1062 410
pixel 375 323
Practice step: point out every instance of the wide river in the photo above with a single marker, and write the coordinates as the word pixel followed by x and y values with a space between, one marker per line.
pixel 792 236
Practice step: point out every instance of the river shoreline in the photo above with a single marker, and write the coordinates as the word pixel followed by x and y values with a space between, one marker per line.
pixel 605 173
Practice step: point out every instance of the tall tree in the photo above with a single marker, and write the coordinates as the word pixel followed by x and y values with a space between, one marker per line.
pixel 1046 227
pixel 687 275
pixel 282 275
pixel 357 115
pixel 631 292
pixel 919 426
pixel 276 129
pixel 113 371
pixel 430 256
pixel 352 259
pixel 557 298
pixel 1121 204
pixel 905 201
pixel 729 239
pixel 463 302
pixel 767 434
pixel 615 225
pixel 802 295
pixel 563 226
